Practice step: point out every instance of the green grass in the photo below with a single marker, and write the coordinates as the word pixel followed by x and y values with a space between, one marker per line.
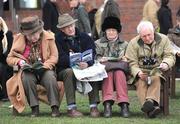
pixel 136 117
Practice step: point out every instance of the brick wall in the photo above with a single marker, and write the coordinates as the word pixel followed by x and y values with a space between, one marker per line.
pixel 131 14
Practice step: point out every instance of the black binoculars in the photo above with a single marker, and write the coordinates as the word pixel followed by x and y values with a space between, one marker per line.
pixel 149 61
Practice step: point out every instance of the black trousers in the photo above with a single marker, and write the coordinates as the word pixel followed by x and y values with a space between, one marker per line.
pixel 5 73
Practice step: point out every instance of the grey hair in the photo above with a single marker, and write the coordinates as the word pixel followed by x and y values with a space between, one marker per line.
pixel 144 24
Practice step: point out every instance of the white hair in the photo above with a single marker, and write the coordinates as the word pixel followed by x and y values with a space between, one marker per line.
pixel 144 24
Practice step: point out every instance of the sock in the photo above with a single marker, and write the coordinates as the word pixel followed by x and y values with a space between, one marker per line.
pixel 93 105
pixel 71 106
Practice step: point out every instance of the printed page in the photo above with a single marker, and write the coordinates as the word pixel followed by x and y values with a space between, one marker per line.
pixel 87 55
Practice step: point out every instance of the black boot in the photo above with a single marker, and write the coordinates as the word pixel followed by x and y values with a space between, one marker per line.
pixel 15 112
pixel 55 111
pixel 35 111
pixel 107 109
pixel 124 110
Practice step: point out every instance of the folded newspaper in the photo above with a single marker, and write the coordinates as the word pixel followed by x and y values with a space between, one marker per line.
pixel 95 72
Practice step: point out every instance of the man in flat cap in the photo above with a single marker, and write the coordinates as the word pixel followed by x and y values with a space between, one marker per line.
pixel 69 39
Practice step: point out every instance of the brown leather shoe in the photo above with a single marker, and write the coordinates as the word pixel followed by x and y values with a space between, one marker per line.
pixel 74 113
pixel 35 111
pixel 94 112
pixel 55 111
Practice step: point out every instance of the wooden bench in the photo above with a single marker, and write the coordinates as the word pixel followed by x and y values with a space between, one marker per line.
pixel 164 100
pixel 172 84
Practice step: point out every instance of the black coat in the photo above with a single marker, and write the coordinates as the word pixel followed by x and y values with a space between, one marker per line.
pixel 165 19
pixel 50 16
pixel 82 42
pixel 9 36
pixel 5 71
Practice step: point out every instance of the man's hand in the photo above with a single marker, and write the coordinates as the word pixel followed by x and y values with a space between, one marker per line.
pixel 143 76
pixel 164 66
pixel 83 65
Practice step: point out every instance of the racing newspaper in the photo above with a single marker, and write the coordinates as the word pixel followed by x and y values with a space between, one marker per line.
pixel 75 58
pixel 95 72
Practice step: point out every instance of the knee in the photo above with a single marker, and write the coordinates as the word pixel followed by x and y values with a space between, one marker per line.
pixel 49 75
pixel 120 72
pixel 26 76
pixel 69 71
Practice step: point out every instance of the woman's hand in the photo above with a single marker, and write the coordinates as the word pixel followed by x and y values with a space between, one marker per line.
pixel 103 59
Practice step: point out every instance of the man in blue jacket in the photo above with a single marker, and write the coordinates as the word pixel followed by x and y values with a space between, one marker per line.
pixel 68 40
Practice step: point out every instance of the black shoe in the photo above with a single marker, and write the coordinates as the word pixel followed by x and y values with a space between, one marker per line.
pixel 107 109
pixel 148 106
pixel 154 112
pixel 55 111
pixel 35 111
pixel 124 110
pixel 15 112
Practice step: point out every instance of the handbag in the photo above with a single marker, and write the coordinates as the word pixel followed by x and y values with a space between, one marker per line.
pixel 118 65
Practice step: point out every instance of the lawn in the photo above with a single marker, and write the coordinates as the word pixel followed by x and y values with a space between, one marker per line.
pixel 136 117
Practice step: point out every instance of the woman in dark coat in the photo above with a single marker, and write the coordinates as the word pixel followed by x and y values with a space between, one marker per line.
pixel 6 39
pixel 50 15
pixel 165 17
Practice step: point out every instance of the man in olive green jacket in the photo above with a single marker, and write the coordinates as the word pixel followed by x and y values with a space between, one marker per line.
pixel 149 54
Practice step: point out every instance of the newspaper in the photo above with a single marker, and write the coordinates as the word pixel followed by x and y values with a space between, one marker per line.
pixel 85 56
pixel 96 72
pixel 176 49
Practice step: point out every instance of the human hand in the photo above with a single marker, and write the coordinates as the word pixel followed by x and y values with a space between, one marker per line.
pixel 178 54
pixel 21 63
pixel 143 76
pixel 124 59
pixel 103 59
pixel 163 66
pixel 83 65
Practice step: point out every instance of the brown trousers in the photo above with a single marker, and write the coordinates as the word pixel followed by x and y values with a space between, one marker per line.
pixel 145 91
